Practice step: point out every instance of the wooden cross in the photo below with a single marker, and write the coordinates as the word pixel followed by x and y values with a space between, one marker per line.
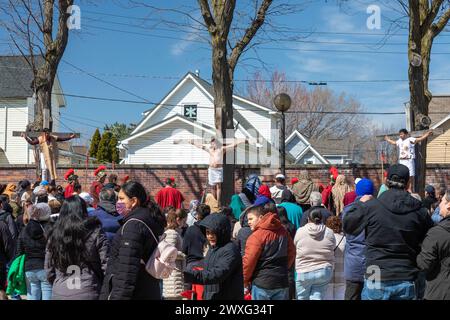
pixel 225 141
pixel 35 134
pixel 415 134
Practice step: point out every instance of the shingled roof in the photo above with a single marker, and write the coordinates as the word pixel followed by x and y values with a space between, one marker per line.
pixel 439 108
pixel 16 77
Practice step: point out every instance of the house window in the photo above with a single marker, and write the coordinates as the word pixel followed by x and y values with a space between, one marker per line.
pixel 309 162
pixel 190 111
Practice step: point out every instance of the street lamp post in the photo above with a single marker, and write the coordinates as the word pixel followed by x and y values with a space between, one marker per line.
pixel 283 102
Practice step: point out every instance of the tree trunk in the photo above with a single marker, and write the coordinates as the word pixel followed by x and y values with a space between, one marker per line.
pixel 419 45
pixel 223 109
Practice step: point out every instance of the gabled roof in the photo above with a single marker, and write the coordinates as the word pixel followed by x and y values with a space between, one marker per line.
pixel 204 85
pixel 439 108
pixel 171 119
pixel 440 123
pixel 16 77
pixel 210 90
pixel 309 147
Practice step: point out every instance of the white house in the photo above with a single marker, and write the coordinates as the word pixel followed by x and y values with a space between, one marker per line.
pixel 187 112
pixel 17 108
pixel 302 150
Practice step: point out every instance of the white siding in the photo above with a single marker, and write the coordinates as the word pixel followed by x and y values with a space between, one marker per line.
pixel 296 146
pixel 17 119
pixel 258 118
pixel 157 147
pixel 308 158
pixel 189 93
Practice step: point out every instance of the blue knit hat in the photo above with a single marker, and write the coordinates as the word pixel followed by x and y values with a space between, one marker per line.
pixel 364 187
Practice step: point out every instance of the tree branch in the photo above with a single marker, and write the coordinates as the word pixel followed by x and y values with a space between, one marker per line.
pixel 249 33
pixel 440 25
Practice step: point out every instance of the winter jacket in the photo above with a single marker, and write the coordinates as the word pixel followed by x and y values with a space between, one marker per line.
pixel 243 233
pixel 108 216
pixel 269 253
pixel 395 225
pixel 32 242
pixel 92 269
pixel 174 285
pixel 324 211
pixel 354 254
pixel 126 277
pixel 193 243
pixel 429 201
pixel 315 245
pixel 7 217
pixel 434 259
pixel 294 213
pixel 277 192
pixel 6 252
pixel 222 274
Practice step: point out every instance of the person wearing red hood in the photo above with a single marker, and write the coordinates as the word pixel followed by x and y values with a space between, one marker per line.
pixel 98 184
pixel 327 196
pixel 264 196
pixel 269 254
pixel 169 196
pixel 72 179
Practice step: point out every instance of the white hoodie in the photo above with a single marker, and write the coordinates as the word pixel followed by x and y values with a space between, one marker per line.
pixel 315 245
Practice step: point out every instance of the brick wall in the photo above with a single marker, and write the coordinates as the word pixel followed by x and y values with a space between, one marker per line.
pixel 192 179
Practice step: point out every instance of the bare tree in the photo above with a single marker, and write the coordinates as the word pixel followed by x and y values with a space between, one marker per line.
pixel 32 30
pixel 318 114
pixel 231 30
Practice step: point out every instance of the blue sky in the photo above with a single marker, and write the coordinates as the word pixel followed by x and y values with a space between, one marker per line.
pixel 140 63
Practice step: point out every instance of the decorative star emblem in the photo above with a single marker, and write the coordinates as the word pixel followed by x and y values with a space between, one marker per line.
pixel 190 112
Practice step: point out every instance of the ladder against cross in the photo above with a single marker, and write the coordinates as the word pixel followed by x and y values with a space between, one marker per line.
pixel 36 134
pixel 414 134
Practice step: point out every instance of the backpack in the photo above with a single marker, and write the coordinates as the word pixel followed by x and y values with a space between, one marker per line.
pixel 162 261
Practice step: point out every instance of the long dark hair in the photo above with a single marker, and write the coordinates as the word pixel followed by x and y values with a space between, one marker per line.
pixel 133 189
pixel 282 214
pixel 67 239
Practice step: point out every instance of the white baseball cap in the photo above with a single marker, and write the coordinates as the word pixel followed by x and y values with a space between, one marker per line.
pixel 280 176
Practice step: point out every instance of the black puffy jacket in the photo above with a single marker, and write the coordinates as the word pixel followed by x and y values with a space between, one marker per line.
pixel 132 246
pixel 32 242
pixel 434 259
pixel 193 242
pixel 395 225
pixel 222 275
pixel 243 233
pixel 6 252
pixel 6 217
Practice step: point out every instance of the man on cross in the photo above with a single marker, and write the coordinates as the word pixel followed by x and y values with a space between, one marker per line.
pixel 216 153
pixel 48 151
pixel 406 151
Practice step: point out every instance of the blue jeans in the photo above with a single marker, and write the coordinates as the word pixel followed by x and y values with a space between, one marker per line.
pixel 389 290
pixel 313 285
pixel 269 294
pixel 38 286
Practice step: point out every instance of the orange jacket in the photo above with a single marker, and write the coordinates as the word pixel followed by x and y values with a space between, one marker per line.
pixel 269 254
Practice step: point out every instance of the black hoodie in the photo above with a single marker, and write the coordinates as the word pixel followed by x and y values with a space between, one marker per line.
pixel 32 242
pixel 434 259
pixel 395 225
pixel 222 274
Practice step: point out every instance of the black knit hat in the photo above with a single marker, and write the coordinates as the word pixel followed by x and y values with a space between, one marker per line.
pixel 399 173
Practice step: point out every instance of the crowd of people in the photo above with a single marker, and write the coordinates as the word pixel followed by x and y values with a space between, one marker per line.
pixel 302 241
